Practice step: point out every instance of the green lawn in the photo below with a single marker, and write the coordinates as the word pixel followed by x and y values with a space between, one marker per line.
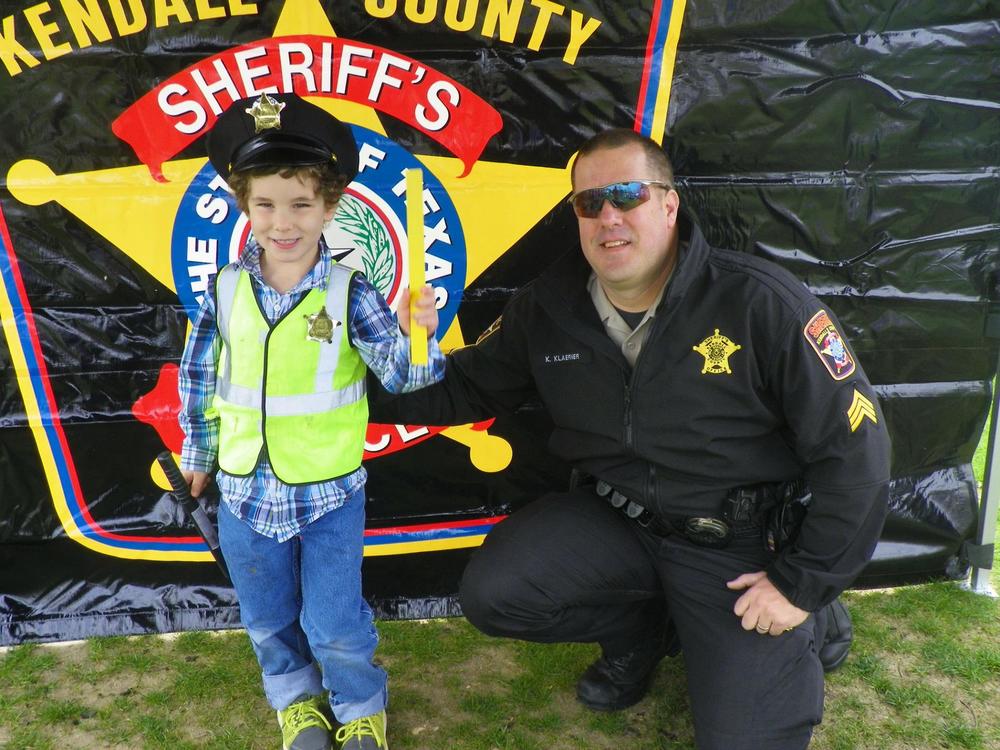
pixel 924 673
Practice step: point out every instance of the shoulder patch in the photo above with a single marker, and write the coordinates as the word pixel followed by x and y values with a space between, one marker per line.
pixel 829 345
pixel 494 327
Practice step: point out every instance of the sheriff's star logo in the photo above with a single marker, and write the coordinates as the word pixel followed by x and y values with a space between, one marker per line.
pixel 101 197
pixel 716 350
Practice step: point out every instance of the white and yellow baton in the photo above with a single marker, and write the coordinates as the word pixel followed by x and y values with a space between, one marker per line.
pixel 415 254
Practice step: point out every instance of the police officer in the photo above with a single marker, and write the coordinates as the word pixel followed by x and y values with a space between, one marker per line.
pixel 695 390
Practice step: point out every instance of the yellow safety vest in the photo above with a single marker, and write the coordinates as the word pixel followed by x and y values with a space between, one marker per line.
pixel 280 390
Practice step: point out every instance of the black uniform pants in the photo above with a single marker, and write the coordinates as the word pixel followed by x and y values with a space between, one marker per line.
pixel 569 568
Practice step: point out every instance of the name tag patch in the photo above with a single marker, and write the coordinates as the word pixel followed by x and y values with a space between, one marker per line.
pixel 552 359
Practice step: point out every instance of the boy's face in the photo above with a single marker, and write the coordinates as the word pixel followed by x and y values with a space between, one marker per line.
pixel 287 218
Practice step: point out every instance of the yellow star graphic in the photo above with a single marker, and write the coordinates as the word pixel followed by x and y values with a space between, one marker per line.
pixel 101 198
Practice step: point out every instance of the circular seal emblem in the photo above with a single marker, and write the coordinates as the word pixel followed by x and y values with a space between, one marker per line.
pixel 367 233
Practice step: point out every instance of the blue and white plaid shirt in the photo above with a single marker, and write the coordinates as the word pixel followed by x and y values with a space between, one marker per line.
pixel 267 504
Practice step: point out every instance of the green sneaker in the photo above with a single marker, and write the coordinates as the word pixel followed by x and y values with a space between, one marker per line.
pixel 366 733
pixel 303 725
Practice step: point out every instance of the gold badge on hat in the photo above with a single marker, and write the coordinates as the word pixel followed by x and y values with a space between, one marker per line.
pixel 266 113
pixel 321 327
pixel 717 349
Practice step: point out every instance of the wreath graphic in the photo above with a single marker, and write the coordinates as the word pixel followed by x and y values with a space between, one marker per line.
pixel 370 236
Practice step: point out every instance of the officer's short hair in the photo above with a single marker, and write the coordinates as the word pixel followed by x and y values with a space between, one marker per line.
pixel 656 157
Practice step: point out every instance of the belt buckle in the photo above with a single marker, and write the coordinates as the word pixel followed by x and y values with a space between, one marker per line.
pixel 706 531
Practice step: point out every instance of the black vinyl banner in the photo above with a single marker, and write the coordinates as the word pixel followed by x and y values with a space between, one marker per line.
pixel 857 146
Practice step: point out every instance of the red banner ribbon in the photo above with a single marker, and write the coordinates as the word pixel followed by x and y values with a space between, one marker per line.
pixel 170 117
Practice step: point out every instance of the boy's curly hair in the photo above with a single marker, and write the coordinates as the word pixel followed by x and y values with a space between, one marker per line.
pixel 328 182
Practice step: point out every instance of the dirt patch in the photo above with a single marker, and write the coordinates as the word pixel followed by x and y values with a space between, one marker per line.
pixel 429 708
pixel 489 667
pixel 76 681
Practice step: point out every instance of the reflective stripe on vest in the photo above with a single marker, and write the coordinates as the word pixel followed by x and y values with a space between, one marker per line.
pixel 303 400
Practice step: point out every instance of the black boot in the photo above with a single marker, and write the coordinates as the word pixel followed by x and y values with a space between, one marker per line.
pixel 615 682
pixel 839 633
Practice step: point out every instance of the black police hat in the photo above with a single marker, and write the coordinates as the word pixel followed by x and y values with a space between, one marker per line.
pixel 278 130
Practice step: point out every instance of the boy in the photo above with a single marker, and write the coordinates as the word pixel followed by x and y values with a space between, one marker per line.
pixel 272 386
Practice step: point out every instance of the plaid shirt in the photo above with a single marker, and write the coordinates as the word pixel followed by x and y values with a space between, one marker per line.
pixel 267 504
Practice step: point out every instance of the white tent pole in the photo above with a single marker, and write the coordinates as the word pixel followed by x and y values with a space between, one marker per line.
pixel 986 532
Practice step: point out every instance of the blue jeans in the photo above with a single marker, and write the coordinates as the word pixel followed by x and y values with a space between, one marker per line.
pixel 301 604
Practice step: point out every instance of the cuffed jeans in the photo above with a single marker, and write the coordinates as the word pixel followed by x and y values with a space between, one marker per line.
pixel 568 567
pixel 301 604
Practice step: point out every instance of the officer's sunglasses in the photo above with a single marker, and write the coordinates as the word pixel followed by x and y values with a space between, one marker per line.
pixel 622 195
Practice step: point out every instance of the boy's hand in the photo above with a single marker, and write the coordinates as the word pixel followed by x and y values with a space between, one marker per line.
pixel 424 312
pixel 197 481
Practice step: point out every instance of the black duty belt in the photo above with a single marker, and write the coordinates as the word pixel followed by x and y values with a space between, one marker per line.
pixel 642 516
pixel 744 507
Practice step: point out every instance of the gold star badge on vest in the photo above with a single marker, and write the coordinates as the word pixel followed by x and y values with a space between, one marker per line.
pixel 716 349
pixel 321 326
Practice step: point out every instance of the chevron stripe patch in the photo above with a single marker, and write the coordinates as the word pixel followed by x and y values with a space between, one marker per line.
pixel 860 410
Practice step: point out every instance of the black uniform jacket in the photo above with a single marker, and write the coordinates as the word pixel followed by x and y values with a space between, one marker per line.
pixel 744 378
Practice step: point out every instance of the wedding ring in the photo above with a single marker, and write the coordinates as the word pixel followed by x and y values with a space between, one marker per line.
pixel 761 630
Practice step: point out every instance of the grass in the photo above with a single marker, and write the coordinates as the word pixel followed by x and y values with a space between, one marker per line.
pixel 924 673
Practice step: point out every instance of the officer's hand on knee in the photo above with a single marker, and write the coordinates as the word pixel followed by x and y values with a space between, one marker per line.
pixel 762 607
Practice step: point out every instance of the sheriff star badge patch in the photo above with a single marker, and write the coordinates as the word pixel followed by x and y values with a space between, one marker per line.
pixel 717 349
pixel 321 327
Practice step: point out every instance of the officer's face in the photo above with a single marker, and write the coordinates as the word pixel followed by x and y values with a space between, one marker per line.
pixel 287 218
pixel 632 252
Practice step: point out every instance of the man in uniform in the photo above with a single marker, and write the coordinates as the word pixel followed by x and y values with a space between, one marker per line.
pixel 732 457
